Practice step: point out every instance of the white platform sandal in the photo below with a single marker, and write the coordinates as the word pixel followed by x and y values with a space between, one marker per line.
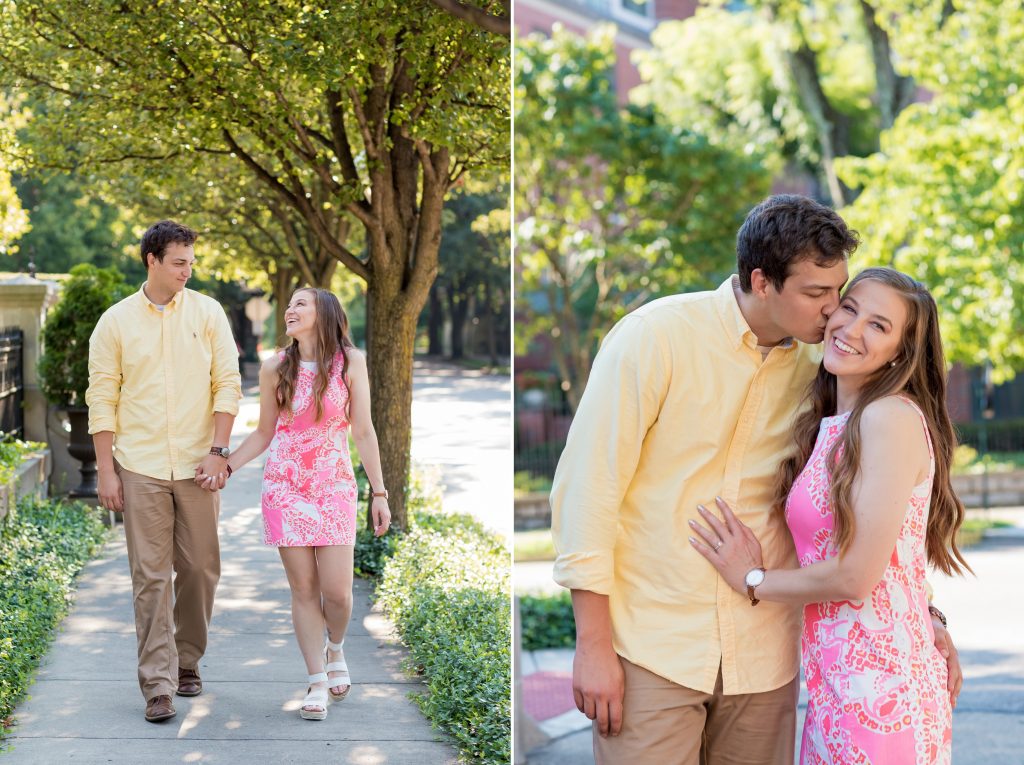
pixel 337 666
pixel 315 697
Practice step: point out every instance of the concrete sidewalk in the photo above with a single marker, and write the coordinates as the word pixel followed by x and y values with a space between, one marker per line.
pixel 986 622
pixel 85 705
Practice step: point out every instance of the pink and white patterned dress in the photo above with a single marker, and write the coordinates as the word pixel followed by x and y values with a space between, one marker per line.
pixel 309 488
pixel 876 683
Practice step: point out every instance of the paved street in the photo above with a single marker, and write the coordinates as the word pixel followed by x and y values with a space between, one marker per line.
pixel 85 705
pixel 462 422
pixel 986 620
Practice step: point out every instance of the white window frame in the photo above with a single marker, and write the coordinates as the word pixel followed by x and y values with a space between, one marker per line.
pixel 629 16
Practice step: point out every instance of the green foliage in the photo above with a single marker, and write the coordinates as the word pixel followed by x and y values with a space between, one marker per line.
pixel 547 621
pixel 943 197
pixel 616 205
pixel 64 364
pixel 447 589
pixel 42 547
pixel 71 225
pixel 475 258
pixel 13 220
pixel 12 453
pixel 730 75
pixel 525 482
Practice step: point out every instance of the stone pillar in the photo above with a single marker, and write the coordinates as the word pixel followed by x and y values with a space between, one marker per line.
pixel 24 302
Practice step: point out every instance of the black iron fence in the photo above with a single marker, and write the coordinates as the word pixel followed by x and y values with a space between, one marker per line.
pixel 12 385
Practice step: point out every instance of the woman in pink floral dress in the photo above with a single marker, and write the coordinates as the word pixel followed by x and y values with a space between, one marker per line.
pixel 311 394
pixel 868 500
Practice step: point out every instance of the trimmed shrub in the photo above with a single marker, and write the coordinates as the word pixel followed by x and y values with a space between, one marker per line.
pixel 43 545
pixel 547 621
pixel 447 589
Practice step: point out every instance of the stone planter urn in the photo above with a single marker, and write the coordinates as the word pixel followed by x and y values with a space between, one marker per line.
pixel 80 447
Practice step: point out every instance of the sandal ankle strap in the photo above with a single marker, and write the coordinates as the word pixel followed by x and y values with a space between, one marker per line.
pixel 319 677
pixel 335 646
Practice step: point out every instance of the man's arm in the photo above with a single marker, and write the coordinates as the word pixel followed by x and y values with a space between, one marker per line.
pixel 108 482
pixel 597 677
pixel 102 398
pixel 226 385
pixel 622 400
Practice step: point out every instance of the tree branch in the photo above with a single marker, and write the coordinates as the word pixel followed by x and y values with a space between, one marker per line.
pixel 499 25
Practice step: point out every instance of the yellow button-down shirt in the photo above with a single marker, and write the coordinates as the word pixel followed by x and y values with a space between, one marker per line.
pixel 679 408
pixel 156 378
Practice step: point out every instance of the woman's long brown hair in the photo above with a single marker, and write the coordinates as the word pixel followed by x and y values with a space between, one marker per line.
pixel 331 337
pixel 920 374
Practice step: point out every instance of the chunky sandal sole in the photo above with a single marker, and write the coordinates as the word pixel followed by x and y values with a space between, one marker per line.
pixel 337 666
pixel 315 700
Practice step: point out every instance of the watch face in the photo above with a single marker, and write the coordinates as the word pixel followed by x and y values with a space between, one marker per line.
pixel 755 577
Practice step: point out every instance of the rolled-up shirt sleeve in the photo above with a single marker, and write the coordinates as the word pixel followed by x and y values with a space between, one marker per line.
pixel 623 397
pixel 104 389
pixel 226 382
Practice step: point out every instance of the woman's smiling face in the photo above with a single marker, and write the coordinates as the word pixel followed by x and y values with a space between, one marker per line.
pixel 864 333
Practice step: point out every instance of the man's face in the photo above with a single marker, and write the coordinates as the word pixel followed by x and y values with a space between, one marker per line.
pixel 174 271
pixel 808 297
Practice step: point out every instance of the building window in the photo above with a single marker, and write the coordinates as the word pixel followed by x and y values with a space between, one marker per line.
pixel 638 13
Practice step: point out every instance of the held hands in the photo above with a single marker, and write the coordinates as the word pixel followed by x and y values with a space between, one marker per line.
pixel 730 547
pixel 212 473
pixel 381 516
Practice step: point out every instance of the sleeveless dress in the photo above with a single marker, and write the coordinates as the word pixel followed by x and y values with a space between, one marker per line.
pixel 876 683
pixel 309 488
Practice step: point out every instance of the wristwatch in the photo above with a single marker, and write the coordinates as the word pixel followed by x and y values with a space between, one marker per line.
pixel 753 579
pixel 220 451
pixel 381 493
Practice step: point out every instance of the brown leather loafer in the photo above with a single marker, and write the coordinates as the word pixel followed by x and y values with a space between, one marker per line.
pixel 189 683
pixel 159 708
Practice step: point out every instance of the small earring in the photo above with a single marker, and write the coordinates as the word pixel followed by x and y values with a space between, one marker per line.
pixel 892 363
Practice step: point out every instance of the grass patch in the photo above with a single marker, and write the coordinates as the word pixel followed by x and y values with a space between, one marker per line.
pixel 43 545
pixel 972 530
pixel 967 461
pixel 524 482
pixel 533 545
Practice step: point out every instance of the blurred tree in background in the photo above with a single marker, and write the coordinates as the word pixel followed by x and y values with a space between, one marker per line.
pixel 13 220
pixel 614 205
pixel 943 199
pixel 907 114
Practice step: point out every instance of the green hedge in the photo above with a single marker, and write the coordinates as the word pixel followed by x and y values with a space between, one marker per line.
pixel 547 621
pixel 447 587
pixel 43 545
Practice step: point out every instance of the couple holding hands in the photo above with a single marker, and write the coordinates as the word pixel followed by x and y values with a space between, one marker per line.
pixel 759 477
pixel 163 395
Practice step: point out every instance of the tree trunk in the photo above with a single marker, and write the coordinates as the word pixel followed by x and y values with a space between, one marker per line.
pixel 435 322
pixel 283 285
pixel 492 319
pixel 390 337
pixel 458 308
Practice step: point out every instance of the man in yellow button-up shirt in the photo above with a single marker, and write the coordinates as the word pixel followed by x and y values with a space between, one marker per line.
pixel 691 397
pixel 163 395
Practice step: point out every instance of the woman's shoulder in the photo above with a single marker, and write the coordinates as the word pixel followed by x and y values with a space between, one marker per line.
pixel 891 415
pixel 272 363
pixel 356 358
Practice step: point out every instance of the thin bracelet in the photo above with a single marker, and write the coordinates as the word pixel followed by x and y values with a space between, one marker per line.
pixel 938 615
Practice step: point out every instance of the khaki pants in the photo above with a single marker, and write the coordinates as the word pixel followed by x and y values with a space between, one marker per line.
pixel 666 724
pixel 170 526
